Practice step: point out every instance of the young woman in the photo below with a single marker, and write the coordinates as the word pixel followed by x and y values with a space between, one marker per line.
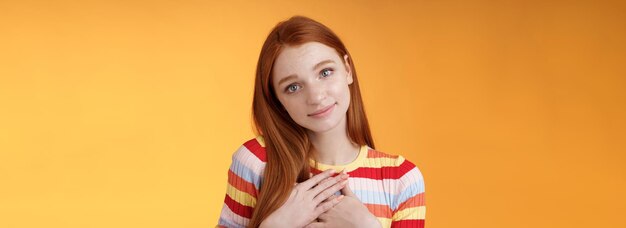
pixel 313 162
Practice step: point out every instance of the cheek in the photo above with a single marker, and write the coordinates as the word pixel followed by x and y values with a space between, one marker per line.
pixel 346 95
pixel 341 91
pixel 292 106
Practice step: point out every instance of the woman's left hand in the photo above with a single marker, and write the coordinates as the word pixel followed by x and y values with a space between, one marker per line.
pixel 350 212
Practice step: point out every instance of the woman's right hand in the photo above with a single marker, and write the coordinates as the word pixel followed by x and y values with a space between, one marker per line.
pixel 308 200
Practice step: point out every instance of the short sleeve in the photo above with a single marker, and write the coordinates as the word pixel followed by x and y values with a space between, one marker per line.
pixel 244 180
pixel 410 208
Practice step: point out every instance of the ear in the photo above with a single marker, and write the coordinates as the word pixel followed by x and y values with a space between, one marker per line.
pixel 346 61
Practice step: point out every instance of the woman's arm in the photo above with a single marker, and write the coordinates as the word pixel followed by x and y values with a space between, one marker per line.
pixel 410 205
pixel 244 178
pixel 306 202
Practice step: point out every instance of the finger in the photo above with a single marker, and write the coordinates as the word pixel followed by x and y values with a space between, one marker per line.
pixel 326 183
pixel 331 198
pixel 324 207
pixel 328 192
pixel 323 182
pixel 308 184
pixel 324 216
pixel 315 225
pixel 347 191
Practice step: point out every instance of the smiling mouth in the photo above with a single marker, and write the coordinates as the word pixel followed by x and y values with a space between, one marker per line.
pixel 324 110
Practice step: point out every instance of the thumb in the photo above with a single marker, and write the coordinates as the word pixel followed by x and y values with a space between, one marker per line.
pixel 346 191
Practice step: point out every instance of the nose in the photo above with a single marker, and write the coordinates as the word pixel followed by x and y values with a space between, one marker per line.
pixel 316 93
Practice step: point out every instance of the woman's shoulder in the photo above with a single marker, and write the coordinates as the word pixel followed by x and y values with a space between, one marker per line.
pixel 248 164
pixel 387 159
pixel 394 166
pixel 251 151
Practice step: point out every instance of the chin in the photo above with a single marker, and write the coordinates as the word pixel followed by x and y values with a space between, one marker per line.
pixel 319 130
pixel 322 127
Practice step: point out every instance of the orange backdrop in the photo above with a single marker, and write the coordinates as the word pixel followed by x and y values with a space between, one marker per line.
pixel 126 113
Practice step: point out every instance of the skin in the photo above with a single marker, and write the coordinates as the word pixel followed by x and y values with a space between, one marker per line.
pixel 312 89
pixel 304 86
pixel 350 212
pixel 307 201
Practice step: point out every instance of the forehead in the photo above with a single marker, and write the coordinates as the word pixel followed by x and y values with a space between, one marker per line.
pixel 300 59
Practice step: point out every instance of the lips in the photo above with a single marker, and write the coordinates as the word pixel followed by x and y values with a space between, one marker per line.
pixel 322 110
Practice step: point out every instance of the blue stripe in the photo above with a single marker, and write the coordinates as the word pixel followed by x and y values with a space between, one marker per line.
pixel 412 190
pixel 245 173
pixel 371 197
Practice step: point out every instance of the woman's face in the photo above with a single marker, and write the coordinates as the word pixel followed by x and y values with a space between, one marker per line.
pixel 311 81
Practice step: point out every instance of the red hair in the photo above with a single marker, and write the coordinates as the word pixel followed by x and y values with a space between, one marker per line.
pixel 286 143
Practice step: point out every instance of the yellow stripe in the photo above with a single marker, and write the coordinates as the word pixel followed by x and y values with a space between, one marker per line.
pixel 348 167
pixel 380 162
pixel 239 196
pixel 410 213
pixel 385 222
pixel 260 140
pixel 361 161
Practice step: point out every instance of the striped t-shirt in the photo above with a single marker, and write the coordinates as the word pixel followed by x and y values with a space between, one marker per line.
pixel 391 187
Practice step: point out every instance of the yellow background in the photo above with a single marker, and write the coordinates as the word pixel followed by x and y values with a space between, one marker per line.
pixel 126 113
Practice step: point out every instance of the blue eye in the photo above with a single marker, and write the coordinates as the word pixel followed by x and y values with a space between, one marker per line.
pixel 326 72
pixel 291 88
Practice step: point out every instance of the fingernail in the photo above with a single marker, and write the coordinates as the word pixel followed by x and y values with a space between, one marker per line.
pixel 340 197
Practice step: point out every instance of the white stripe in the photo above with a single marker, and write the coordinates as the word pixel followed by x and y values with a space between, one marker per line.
pixel 391 186
pixel 249 160
pixel 411 178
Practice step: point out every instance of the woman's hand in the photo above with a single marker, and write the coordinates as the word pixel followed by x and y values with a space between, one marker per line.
pixel 308 200
pixel 350 212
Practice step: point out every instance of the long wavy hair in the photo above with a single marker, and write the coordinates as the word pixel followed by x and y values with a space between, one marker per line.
pixel 286 143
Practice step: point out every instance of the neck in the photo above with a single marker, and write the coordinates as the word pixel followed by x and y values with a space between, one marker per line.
pixel 333 147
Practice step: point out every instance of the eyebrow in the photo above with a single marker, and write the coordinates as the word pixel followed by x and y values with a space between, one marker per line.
pixel 314 67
